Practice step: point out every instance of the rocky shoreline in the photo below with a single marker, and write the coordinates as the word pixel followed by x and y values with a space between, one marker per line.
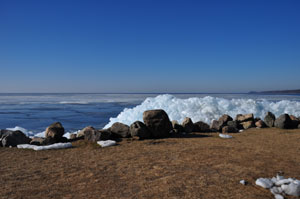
pixel 156 124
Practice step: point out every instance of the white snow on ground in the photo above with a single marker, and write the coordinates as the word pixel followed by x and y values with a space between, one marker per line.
pixel 225 136
pixel 40 148
pixel 280 186
pixel 18 128
pixel 107 143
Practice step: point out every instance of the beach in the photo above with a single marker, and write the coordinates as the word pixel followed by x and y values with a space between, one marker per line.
pixel 198 165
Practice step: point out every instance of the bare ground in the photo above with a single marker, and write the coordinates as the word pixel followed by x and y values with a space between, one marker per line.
pixel 198 166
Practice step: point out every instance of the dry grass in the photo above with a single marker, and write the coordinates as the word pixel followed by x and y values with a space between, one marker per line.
pixel 194 167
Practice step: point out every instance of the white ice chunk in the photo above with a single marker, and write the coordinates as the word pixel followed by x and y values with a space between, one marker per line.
pixel 47 147
pixel 107 143
pixel 278 196
pixel 278 177
pixel 225 136
pixel 274 180
pixel 243 182
pixel 264 182
pixel 284 181
pixel 276 190
pixel 292 189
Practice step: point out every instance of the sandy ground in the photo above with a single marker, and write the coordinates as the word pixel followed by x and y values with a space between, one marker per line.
pixel 198 166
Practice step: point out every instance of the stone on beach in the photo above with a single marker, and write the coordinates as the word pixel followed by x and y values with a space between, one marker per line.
pixel 269 119
pixel 157 121
pixel 139 129
pixel 283 121
pixel 260 124
pixel 201 127
pixel 229 129
pixel 120 130
pixel 92 135
pixel 188 125
pixel 248 124
pixel 55 131
pixel 243 118
pixel 13 138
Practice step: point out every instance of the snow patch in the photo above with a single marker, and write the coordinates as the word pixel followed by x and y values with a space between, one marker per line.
pixel 225 136
pixel 48 147
pixel 107 143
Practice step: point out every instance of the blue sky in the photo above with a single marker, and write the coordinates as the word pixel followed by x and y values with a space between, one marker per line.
pixel 149 46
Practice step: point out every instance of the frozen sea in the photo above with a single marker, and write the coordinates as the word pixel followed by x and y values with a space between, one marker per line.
pixel 34 112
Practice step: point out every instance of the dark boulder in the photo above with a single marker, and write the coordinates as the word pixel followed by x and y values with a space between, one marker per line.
pixel 269 119
pixel 295 121
pixel 229 129
pixel 260 124
pixel 55 131
pixel 177 127
pixel 284 122
pixel 92 135
pixel 120 130
pixel 225 119
pixel 139 129
pixel 157 121
pixel 243 118
pixel 13 138
pixel 216 125
pixel 201 127
pixel 188 125
pixel 234 124
pixel 73 136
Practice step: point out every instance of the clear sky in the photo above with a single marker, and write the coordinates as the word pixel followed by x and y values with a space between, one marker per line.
pixel 149 46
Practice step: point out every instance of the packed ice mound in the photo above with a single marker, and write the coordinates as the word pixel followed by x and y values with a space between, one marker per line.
pixel 48 147
pixel 280 186
pixel 205 109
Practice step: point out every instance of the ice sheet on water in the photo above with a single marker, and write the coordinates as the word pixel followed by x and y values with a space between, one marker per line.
pixel 48 147
pixel 205 108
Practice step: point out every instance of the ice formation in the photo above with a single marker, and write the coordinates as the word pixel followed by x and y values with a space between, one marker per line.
pixel 40 148
pixel 205 108
pixel 107 143
pixel 280 186
pixel 224 136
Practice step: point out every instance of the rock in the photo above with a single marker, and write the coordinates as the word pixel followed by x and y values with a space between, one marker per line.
pixel 105 134
pixel 234 124
pixel 188 125
pixel 49 141
pixel 299 126
pixel 55 130
pixel 140 130
pixel 120 130
pixel 284 122
pixel 295 121
pixel 201 127
pixel 248 124
pixel 260 124
pixel 13 138
pixel 37 141
pixel 243 118
pixel 225 119
pixel 216 125
pixel 229 129
pixel 269 119
pixel 93 135
pixel 158 123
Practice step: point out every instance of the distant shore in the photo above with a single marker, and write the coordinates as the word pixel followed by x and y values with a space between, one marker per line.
pixel 290 92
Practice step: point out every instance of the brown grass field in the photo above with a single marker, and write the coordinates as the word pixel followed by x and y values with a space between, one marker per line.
pixel 201 165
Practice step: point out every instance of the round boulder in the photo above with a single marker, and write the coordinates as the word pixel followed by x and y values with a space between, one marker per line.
pixel 284 122
pixel 269 119
pixel 55 131
pixel 139 129
pixel 157 121
pixel 120 130
pixel 188 125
